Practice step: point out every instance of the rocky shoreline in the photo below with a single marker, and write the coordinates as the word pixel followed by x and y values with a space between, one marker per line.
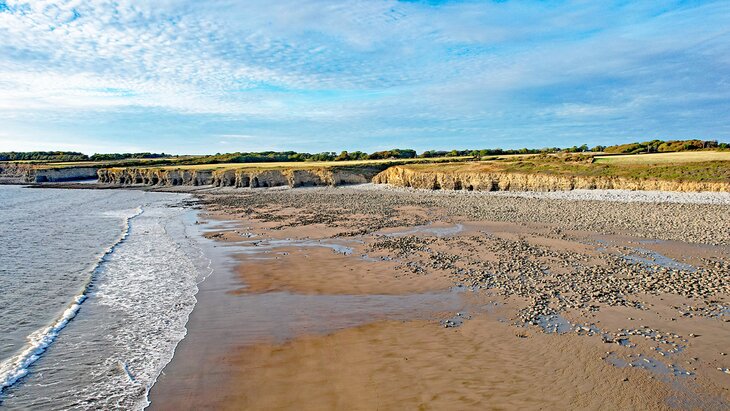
pixel 701 218
pixel 643 277
pixel 393 173
pixel 240 177
pixel 13 173
pixel 405 176
pixel 632 285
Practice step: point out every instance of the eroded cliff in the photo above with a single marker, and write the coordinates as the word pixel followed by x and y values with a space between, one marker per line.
pixel 239 177
pixel 403 176
pixel 18 173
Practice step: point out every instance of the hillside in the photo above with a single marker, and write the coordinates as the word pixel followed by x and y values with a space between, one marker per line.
pixel 681 172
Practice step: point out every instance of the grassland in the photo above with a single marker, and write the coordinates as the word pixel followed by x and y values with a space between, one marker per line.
pixel 311 164
pixel 705 166
pixel 130 162
pixel 181 162
pixel 665 158
pixel 691 166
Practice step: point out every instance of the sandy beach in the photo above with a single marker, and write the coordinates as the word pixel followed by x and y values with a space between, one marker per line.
pixel 364 205
pixel 371 298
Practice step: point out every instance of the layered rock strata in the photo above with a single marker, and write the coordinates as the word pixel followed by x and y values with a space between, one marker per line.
pixel 503 181
pixel 243 177
pixel 14 173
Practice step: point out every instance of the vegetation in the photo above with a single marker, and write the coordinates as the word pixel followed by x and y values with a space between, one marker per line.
pixel 487 152
pixel 664 158
pixel 125 156
pixel 43 156
pixel 293 156
pixel 653 146
pixel 659 146
pixel 583 165
pixel 72 156
pixel 312 164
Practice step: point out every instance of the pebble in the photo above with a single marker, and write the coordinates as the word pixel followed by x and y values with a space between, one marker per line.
pixel 520 269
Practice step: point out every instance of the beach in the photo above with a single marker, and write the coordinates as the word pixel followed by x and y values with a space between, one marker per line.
pixel 377 298
pixel 96 289
pixel 364 205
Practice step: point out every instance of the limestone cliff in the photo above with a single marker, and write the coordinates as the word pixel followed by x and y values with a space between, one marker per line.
pixel 239 177
pixel 19 173
pixel 505 181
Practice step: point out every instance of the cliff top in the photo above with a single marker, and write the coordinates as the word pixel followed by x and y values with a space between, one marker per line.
pixel 705 166
pixel 300 164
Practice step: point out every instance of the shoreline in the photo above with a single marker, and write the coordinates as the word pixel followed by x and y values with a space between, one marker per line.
pixel 303 273
pixel 129 300
pixel 580 194
pixel 231 349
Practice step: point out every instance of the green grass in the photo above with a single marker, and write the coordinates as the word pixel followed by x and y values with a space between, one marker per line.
pixel 174 163
pixel 689 167
pixel 693 166
pixel 308 164
pixel 129 162
pixel 664 158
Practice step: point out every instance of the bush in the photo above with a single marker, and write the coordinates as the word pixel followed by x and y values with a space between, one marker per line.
pixel 43 156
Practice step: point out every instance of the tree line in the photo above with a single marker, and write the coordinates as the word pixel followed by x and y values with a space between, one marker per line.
pixel 73 156
pixel 43 156
pixel 660 146
pixel 126 156
pixel 653 146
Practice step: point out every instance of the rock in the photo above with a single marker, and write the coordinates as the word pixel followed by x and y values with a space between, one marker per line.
pixel 239 177
pixel 485 180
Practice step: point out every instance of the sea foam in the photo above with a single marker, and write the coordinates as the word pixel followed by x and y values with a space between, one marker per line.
pixel 17 367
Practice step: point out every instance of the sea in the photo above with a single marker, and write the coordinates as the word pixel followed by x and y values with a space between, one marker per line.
pixel 96 287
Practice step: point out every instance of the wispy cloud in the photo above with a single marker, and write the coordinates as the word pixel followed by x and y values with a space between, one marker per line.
pixel 328 75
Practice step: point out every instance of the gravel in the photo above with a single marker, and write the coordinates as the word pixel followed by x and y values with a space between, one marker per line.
pixel 699 222
pixel 622 196
pixel 549 281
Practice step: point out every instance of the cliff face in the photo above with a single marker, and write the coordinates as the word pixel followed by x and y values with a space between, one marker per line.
pixel 12 173
pixel 499 181
pixel 239 177
pixel 150 176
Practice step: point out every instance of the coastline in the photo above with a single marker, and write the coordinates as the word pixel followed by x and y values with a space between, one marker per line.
pixel 111 305
pixel 41 340
pixel 289 318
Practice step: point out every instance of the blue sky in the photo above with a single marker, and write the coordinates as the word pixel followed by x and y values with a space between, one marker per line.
pixel 190 77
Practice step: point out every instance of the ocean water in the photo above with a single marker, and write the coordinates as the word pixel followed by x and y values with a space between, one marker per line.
pixel 95 289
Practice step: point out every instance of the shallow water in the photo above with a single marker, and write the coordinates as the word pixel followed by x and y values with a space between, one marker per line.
pixel 224 320
pixel 429 230
pixel 653 258
pixel 96 287
pixel 262 246
pixel 279 316
pixel 650 364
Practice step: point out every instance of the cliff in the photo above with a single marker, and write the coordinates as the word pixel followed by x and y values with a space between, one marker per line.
pixel 240 177
pixel 403 176
pixel 19 173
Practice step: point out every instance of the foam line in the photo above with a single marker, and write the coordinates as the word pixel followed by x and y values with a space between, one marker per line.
pixel 15 368
pixel 209 268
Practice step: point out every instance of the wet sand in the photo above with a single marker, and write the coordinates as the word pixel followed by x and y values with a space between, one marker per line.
pixel 317 304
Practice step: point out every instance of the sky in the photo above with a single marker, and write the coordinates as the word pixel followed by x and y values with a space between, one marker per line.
pixel 198 77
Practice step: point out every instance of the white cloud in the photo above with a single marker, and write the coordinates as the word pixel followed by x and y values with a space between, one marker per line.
pixel 382 68
pixel 20 142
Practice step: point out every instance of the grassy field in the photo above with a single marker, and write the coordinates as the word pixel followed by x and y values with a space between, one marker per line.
pixel 664 158
pixel 685 167
pixel 129 162
pixel 309 164
pixel 171 163
pixel 697 166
